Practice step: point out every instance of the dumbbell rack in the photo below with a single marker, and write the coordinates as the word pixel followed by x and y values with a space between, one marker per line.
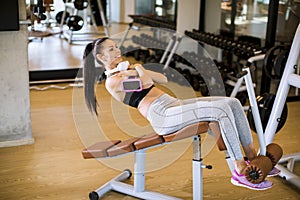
pixel 147 20
pixel 243 50
pixel 69 34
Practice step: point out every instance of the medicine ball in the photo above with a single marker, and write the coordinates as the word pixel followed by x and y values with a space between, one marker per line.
pixel 75 22
pixel 265 105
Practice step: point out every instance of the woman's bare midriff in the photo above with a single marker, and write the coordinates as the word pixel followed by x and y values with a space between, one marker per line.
pixel 153 94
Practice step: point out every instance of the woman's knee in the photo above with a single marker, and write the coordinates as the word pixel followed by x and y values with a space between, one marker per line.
pixel 233 102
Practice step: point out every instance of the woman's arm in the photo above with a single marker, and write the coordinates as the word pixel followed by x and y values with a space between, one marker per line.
pixel 155 76
pixel 146 76
pixel 113 86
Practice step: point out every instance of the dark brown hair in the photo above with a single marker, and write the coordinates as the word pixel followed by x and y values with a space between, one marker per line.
pixel 90 74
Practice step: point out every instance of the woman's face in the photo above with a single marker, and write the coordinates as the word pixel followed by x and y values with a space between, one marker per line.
pixel 110 54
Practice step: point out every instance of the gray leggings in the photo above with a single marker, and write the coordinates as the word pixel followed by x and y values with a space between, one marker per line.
pixel 167 114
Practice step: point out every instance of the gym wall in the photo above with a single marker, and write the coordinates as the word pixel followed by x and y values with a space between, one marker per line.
pixel 121 9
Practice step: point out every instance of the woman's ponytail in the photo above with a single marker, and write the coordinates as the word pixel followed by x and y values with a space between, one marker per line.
pixel 89 78
pixel 90 74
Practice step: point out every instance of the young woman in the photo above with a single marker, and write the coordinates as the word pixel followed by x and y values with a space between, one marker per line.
pixel 167 114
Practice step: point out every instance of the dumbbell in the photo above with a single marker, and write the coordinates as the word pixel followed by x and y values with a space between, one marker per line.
pixel 128 51
pixel 58 17
pixel 135 39
pixel 195 83
pixel 75 23
pixel 187 75
pixel 259 168
pixel 144 54
pixel 80 4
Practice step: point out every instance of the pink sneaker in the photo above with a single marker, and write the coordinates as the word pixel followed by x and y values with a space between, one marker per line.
pixel 274 172
pixel 240 180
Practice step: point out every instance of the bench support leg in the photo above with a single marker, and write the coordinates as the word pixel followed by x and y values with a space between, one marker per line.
pixel 197 180
pixel 139 171
pixel 95 195
pixel 197 169
pixel 138 188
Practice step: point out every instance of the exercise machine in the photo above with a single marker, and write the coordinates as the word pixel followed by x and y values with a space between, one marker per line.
pixel 289 78
pixel 76 23
pixel 256 171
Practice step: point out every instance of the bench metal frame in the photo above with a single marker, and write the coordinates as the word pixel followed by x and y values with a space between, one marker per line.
pixel 138 188
pixel 138 146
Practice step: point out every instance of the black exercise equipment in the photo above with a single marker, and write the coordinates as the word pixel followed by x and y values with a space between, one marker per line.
pixel 187 75
pixel 242 97
pixel 275 60
pixel 280 61
pixel 75 22
pixel 242 49
pixel 80 4
pixel 38 10
pixel 96 10
pixel 153 21
pixel 265 104
pixel 59 15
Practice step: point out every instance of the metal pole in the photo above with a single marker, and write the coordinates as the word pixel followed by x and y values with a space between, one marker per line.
pixel 232 17
pixel 202 15
pixel 139 171
pixel 197 169
pixel 270 40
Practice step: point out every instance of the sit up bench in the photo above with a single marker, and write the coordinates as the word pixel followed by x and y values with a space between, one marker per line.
pixel 138 146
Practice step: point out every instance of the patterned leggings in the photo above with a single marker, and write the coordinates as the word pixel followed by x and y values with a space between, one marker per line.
pixel 168 114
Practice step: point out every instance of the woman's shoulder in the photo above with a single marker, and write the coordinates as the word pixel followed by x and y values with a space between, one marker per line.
pixel 113 86
pixel 113 82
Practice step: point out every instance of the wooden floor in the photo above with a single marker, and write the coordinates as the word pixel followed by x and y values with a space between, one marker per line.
pixel 53 168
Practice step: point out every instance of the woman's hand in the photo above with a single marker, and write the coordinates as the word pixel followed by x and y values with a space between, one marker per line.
pixel 128 73
pixel 151 75
pixel 144 76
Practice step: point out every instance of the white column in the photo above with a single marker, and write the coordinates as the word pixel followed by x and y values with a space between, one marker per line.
pixel 15 123
pixel 188 13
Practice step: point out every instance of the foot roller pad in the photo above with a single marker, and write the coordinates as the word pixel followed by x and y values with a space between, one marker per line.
pixel 274 152
pixel 258 169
